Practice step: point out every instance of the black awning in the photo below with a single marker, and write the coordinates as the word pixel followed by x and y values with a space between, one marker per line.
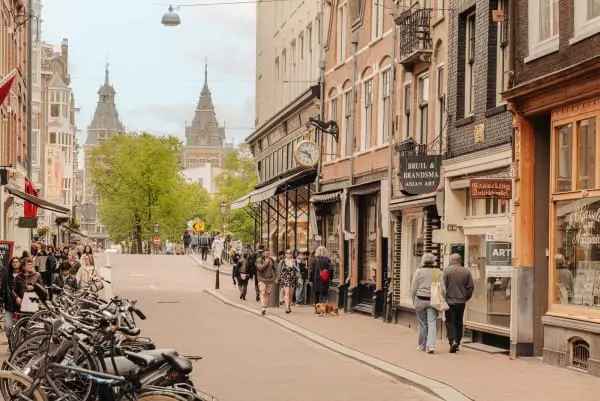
pixel 74 231
pixel 43 203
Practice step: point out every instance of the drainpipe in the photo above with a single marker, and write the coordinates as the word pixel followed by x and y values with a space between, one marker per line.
pixel 321 98
pixel 29 83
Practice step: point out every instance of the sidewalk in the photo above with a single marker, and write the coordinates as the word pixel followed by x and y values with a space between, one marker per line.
pixel 480 376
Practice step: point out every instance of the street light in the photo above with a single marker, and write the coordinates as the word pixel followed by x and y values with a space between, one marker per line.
pixel 156 228
pixel 171 18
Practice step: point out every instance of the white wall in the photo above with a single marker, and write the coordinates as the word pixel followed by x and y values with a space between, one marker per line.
pixel 206 173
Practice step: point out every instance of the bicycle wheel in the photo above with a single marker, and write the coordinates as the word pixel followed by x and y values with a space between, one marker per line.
pixel 58 383
pixel 160 396
pixel 15 385
pixel 17 333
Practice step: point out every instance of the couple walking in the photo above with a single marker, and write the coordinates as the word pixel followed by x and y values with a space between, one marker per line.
pixel 434 291
pixel 267 274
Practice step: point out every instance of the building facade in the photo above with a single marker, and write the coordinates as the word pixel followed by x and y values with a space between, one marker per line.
pixel 556 106
pixel 105 124
pixel 205 176
pixel 205 139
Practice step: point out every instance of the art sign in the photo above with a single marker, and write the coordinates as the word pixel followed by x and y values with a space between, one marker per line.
pixel 498 257
pixel 419 173
pixel 484 188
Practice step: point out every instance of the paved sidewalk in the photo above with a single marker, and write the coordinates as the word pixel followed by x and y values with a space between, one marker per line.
pixel 481 376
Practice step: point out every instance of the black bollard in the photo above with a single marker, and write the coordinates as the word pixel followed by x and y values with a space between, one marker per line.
pixel 217 272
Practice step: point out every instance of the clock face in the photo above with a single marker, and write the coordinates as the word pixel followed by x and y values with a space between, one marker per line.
pixel 307 153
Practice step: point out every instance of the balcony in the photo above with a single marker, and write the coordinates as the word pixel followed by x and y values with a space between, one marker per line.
pixel 415 36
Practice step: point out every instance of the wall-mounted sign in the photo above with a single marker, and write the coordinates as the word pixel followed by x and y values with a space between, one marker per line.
pixel 498 257
pixel 419 173
pixel 479 133
pixel 27 222
pixel 483 188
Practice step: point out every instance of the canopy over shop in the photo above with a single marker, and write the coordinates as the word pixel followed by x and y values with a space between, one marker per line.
pixel 281 212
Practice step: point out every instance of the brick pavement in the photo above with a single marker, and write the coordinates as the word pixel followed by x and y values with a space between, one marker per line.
pixel 481 376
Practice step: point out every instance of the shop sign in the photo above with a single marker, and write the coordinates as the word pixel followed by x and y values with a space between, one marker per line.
pixel 27 222
pixel 484 188
pixel 420 173
pixel 498 259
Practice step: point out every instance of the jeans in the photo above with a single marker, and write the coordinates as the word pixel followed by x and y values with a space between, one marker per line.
pixel 427 317
pixel 265 293
pixel 9 322
pixel 243 287
pixel 300 292
pixel 204 252
pixel 454 323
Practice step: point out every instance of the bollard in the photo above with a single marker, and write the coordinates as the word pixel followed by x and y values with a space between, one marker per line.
pixel 217 272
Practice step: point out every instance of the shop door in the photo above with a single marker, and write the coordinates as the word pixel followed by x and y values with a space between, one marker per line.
pixel 367 239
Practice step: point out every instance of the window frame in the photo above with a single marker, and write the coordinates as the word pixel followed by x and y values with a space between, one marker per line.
pixel 583 27
pixel 385 108
pixel 537 47
pixel 347 129
pixel 407 110
pixel 441 99
pixel 502 53
pixel 341 31
pixel 423 107
pixel 365 142
pixel 470 53
pixel 377 19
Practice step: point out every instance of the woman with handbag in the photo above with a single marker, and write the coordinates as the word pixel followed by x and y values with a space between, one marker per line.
pixel 287 278
pixel 428 294
pixel 13 288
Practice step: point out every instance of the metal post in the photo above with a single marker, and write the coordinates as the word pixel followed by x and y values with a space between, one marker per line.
pixel 269 225
pixel 308 217
pixel 296 218
pixel 29 84
pixel 286 220
pixel 217 272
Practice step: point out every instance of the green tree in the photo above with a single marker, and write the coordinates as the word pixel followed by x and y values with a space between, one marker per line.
pixel 236 180
pixel 139 185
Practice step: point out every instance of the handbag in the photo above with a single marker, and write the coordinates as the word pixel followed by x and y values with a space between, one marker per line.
pixel 30 304
pixel 437 297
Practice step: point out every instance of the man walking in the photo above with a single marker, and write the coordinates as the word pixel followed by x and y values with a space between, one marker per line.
pixel 459 289
pixel 187 240
pixel 204 244
pixel 265 271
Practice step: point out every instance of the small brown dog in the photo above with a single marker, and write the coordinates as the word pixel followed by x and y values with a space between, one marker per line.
pixel 326 309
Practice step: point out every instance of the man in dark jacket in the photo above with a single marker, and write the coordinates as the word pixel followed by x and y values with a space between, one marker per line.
pixel 459 289
pixel 187 240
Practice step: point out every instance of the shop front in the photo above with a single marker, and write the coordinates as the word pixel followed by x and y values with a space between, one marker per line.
pixel 478 227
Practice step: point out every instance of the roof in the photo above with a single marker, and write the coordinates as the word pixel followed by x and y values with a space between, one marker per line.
pixel 106 116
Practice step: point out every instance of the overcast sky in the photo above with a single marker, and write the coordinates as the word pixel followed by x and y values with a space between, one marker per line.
pixel 158 72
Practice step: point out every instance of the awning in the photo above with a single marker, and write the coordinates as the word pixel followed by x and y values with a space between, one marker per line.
pixel 44 204
pixel 413 201
pixel 266 192
pixel 327 197
pixel 74 231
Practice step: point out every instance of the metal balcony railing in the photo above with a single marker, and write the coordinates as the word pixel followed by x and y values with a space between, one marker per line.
pixel 415 35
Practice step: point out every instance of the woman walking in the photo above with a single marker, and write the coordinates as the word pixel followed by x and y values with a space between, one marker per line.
pixel 288 278
pixel 87 250
pixel 243 274
pixel 426 277
pixel 12 292
pixel 86 273
pixel 321 270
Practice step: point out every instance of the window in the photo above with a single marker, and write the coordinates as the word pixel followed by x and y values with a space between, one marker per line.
pixel 284 61
pixel 441 101
pixel 385 106
pixel 440 8
pixel 470 64
pixel 563 161
pixel 318 24
pixel 502 53
pixel 586 154
pixel 259 166
pixel 309 37
pixel 377 19
pixel 55 110
pixel 407 108
pixel 543 28
pixel 423 99
pixel 293 53
pixel 301 46
pixel 277 77
pixel 368 114
pixel 341 32
pixel 330 148
pixel 486 207
pixel 52 137
pixel 346 134
pixel 586 18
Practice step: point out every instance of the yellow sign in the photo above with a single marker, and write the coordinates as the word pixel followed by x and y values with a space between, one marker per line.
pixel 198 227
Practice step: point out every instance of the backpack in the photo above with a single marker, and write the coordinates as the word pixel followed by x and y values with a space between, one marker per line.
pixel 324 276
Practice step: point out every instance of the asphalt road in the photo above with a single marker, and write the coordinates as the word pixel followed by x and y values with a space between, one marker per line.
pixel 245 357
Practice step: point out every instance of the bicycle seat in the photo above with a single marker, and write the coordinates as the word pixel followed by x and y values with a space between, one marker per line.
pixel 180 364
pixel 151 358
pixel 125 367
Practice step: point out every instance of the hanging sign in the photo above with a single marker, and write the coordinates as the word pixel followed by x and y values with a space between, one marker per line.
pixel 484 188
pixel 419 173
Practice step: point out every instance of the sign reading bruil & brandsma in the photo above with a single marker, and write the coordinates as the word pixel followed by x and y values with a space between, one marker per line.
pixel 420 173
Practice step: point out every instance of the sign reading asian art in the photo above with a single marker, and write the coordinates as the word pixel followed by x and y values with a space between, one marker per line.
pixel 484 188
pixel 419 173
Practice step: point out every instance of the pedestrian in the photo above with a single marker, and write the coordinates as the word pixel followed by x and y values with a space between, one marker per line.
pixel 204 243
pixel 288 278
pixel 265 271
pixel 187 240
pixel 243 275
pixel 87 250
pixel 217 251
pixel 74 262
pixel 12 292
pixel 51 264
pixel 28 278
pixel 65 278
pixel 253 274
pixel 40 259
pixel 459 290
pixel 235 266
pixel 424 278
pixel 302 274
pixel 321 269
pixel 86 274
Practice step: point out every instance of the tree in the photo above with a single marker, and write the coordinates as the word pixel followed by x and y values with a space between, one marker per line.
pixel 138 183
pixel 237 179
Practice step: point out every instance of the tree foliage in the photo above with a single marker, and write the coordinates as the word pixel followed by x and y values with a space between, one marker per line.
pixel 139 185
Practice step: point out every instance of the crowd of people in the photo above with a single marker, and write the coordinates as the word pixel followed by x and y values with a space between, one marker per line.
pixel 295 277
pixel 45 265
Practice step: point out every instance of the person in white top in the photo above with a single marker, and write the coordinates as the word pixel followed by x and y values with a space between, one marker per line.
pixel 86 273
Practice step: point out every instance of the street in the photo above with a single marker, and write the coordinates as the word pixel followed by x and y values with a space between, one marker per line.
pixel 244 357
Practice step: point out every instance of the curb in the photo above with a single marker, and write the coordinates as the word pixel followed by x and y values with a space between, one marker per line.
pixel 436 388
pixel 207 267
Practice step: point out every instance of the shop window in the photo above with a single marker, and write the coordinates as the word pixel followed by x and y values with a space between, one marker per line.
pixel 563 161
pixel 486 207
pixel 580 354
pixel 586 154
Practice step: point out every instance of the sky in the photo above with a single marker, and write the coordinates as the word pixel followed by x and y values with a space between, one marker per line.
pixel 158 71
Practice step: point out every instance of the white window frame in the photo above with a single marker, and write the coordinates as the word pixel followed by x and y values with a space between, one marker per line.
pixel 440 118
pixel 407 109
pixel 423 107
pixel 330 145
pixel 384 119
pixel 367 104
pixel 540 48
pixel 341 24
pixel 584 27
pixel 470 64
pixel 277 73
pixel 347 124
pixel 377 13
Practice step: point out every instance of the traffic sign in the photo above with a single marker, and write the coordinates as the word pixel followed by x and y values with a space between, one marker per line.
pixel 198 227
